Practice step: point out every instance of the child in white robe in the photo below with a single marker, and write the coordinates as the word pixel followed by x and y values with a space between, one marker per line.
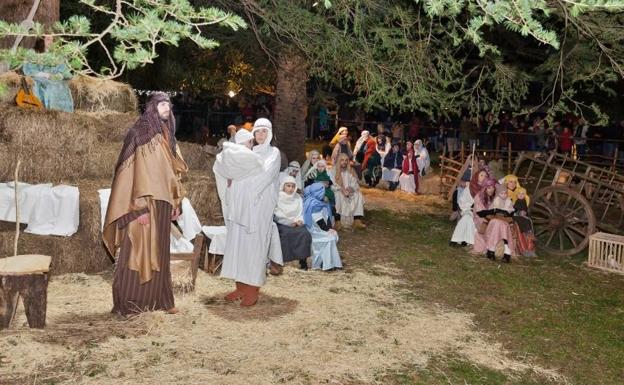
pixel 465 229
pixel 294 236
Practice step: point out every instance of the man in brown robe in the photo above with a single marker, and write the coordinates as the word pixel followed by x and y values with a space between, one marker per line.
pixel 145 198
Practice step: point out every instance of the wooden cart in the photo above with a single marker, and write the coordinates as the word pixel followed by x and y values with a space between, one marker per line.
pixel 570 200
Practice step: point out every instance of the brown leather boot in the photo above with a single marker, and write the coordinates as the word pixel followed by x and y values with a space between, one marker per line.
pixel 236 294
pixel 275 269
pixel 250 295
pixel 358 224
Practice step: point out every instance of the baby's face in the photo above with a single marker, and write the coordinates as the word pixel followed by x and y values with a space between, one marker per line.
pixel 320 168
pixel 503 194
pixel 289 188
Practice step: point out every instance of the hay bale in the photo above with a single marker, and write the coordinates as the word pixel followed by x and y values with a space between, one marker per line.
pixel 82 252
pixel 93 94
pixel 201 190
pixel 60 147
pixel 195 157
pixel 90 94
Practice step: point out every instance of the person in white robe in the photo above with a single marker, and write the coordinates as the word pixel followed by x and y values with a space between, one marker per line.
pixel 249 221
pixel 294 236
pixel 313 157
pixel 464 233
pixel 349 198
pixel 293 170
pixel 317 216
pixel 422 157
pixel 235 162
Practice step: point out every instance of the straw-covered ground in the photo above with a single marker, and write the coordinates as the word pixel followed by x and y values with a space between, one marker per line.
pixel 407 309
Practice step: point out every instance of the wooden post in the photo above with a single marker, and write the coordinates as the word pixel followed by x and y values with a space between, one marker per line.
pixel 508 157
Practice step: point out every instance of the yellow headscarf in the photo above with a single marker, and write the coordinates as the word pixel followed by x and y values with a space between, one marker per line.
pixel 336 137
pixel 514 194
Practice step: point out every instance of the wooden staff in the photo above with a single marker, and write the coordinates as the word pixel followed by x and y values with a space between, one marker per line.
pixel 17 222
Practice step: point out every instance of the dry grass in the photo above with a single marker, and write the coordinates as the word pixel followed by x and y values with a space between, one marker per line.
pixel 308 328
pixel 402 202
pixel 92 94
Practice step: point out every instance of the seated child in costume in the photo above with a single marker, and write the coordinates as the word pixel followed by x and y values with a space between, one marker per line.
pixel 294 236
pixel 318 173
pixel 294 170
pixel 526 238
pixel 317 216
pixel 392 167
pixel 464 233
pixel 492 216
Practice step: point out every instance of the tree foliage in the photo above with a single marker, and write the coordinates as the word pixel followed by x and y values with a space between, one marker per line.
pixel 130 38
pixel 445 56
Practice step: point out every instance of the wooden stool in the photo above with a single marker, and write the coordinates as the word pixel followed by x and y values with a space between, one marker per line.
pixel 199 246
pixel 25 275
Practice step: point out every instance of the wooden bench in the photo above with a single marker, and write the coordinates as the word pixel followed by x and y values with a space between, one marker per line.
pixel 25 275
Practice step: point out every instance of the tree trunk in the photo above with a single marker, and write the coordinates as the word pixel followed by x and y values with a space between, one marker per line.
pixel 291 103
pixel 16 11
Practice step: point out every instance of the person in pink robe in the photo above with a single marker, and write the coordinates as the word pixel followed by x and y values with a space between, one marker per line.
pixel 497 228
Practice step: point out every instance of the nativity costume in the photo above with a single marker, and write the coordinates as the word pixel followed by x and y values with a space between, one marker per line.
pixel 251 233
pixel 349 198
pixel 490 215
pixel 317 215
pixel 294 236
pixel 146 181
pixel 409 174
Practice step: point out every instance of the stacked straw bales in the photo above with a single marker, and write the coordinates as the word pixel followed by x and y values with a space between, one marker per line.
pixel 81 149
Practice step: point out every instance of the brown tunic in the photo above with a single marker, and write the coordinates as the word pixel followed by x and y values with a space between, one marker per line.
pixel 129 294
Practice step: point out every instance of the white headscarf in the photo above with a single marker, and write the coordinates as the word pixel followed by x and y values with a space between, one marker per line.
pixel 424 162
pixel 361 141
pixel 237 162
pixel 242 136
pixel 289 206
pixel 265 147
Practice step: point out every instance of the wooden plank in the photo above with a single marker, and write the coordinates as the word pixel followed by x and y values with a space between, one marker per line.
pixel 25 264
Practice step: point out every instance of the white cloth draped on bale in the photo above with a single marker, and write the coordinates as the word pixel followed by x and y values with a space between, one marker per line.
pixel 46 209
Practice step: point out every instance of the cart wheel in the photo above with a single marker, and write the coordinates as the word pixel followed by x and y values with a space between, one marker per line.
pixel 563 220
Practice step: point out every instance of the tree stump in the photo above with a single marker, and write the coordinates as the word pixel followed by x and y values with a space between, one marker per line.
pixel 25 275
